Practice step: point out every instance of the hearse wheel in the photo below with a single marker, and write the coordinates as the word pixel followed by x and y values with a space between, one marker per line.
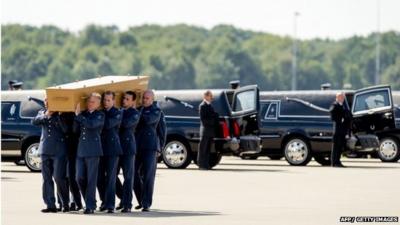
pixel 32 157
pixel 297 151
pixel 389 150
pixel 176 154
pixel 323 160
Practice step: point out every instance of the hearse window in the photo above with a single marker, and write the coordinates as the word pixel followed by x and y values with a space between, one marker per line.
pixel 272 111
pixel 372 100
pixel 264 108
pixel 30 108
pixel 294 108
pixel 9 111
pixel 245 101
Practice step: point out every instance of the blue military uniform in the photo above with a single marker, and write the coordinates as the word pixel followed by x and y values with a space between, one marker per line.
pixel 130 119
pixel 53 153
pixel 151 137
pixel 109 161
pixel 89 125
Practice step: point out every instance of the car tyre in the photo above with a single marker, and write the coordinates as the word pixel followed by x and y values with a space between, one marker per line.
pixel 297 151
pixel 176 154
pixel 389 149
pixel 32 157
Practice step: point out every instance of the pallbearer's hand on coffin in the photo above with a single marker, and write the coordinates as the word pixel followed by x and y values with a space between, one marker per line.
pixel 78 109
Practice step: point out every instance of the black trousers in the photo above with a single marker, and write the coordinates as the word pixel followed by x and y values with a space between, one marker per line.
pixel 339 141
pixel 203 154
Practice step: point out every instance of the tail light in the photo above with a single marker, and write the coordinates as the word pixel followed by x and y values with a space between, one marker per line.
pixel 224 129
pixel 236 129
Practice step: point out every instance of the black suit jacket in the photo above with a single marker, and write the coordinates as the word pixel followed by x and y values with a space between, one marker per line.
pixel 341 116
pixel 208 120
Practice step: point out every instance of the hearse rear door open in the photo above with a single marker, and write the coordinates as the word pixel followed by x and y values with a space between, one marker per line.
pixel 372 109
pixel 244 121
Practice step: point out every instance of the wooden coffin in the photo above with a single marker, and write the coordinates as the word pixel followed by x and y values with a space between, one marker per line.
pixel 64 98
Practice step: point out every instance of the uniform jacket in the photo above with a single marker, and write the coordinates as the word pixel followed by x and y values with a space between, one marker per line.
pixel 130 119
pixel 151 131
pixel 208 120
pixel 52 140
pixel 110 134
pixel 89 126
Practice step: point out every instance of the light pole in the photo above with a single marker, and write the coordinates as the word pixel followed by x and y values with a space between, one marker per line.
pixel 378 44
pixel 294 52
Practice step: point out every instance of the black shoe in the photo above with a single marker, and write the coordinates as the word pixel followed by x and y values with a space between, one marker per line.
pixel 49 210
pixel 138 207
pixel 145 210
pixel 102 209
pixel 119 207
pixel 202 168
pixel 72 207
pixel 59 209
pixel 88 211
pixel 126 210
pixel 110 210
pixel 66 209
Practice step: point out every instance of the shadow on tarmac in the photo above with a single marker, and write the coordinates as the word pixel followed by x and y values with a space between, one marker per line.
pixel 154 213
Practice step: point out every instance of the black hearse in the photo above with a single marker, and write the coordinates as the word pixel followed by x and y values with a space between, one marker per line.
pixel 19 138
pixel 238 111
pixel 297 125
pixel 238 131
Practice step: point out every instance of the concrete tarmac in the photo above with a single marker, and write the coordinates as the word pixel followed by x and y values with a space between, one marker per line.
pixel 237 191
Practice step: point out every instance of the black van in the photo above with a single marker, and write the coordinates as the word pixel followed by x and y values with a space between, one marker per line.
pixel 19 138
pixel 297 125
pixel 238 131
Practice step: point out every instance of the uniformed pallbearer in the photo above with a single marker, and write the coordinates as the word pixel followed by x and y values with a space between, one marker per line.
pixel 151 137
pixel 53 153
pixel 111 152
pixel 341 117
pixel 130 119
pixel 90 124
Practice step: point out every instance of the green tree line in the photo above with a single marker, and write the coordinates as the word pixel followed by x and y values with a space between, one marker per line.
pixel 186 57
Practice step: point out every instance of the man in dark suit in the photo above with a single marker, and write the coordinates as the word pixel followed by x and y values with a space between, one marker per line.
pixel 208 123
pixel 111 151
pixel 341 117
pixel 151 137
pixel 130 120
pixel 53 153
pixel 90 124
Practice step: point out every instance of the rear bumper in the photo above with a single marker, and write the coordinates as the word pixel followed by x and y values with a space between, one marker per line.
pixel 363 143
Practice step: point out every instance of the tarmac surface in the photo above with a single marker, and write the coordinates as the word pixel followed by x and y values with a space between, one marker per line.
pixel 237 191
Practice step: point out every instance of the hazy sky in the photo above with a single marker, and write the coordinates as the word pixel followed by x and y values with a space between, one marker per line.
pixel 318 18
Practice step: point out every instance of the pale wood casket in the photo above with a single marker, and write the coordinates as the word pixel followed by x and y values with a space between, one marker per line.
pixel 64 98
